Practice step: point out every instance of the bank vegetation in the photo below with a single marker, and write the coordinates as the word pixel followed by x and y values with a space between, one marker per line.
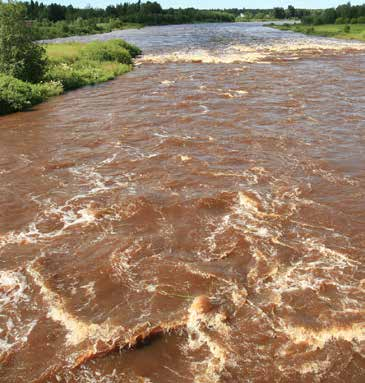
pixel 31 73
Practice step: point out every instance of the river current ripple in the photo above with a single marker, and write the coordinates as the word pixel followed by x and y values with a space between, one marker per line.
pixel 229 163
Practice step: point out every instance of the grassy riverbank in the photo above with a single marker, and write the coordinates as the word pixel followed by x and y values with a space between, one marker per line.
pixel 70 66
pixel 341 31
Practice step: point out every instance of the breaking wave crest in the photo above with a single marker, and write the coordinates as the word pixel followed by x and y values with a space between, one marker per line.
pixel 258 53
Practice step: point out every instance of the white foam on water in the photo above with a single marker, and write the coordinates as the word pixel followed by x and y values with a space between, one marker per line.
pixel 15 327
pixel 70 218
pixel 351 333
pixel 78 330
pixel 13 286
pixel 258 53
pixel 167 82
pixel 199 327
pixel 71 214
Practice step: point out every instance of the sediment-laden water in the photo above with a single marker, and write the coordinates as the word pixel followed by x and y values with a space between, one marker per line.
pixel 229 164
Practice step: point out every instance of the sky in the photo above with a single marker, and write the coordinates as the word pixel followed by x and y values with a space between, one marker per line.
pixel 206 4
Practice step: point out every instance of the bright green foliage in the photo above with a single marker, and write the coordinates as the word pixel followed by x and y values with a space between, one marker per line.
pixel 76 64
pixel 63 53
pixel 82 73
pixel 16 95
pixel 106 51
pixel 44 90
pixel 19 56
pixel 132 49
pixel 68 69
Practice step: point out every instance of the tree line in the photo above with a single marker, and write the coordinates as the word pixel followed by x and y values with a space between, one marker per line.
pixel 269 14
pixel 55 20
pixel 151 13
pixel 343 14
pixel 144 13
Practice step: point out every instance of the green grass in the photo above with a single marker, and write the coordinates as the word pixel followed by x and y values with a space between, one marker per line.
pixel 67 52
pixel 341 31
pixel 71 66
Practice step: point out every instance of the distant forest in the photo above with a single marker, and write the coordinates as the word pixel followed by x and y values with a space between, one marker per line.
pixel 54 20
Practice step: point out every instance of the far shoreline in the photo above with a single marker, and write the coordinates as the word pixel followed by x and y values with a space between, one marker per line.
pixel 339 31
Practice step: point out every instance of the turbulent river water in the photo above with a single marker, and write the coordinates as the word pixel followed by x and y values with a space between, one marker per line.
pixel 229 164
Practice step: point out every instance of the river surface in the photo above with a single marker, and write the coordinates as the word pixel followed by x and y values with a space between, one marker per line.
pixel 229 164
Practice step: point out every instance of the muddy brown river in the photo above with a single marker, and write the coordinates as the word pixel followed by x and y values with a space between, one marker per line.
pixel 230 164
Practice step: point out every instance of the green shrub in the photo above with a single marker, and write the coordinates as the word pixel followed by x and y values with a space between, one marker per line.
pixel 20 57
pixel 133 50
pixel 361 20
pixel 68 76
pixel 347 29
pixel 106 51
pixel 16 95
pixel 43 91
pixel 82 73
pixel 341 20
pixel 318 20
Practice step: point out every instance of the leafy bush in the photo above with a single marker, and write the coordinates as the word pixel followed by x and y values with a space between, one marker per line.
pixel 69 77
pixel 16 95
pixel 341 20
pixel 106 51
pixel 133 50
pixel 82 73
pixel 347 29
pixel 317 20
pixel 43 91
pixel 19 56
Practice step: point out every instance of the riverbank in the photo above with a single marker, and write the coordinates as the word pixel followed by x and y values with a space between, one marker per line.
pixel 340 31
pixel 70 66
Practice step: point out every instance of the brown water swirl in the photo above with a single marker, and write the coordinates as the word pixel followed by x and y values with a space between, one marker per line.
pixel 229 164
